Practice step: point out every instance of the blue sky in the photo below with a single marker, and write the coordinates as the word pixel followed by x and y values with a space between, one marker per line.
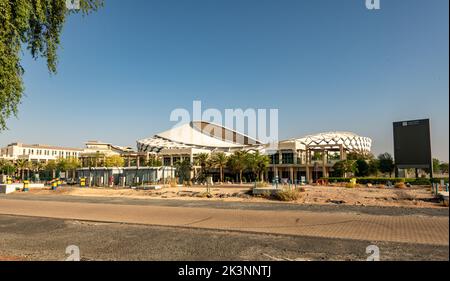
pixel 325 64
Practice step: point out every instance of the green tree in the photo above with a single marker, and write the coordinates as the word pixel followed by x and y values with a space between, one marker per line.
pixel 153 161
pixel 22 166
pixel 6 167
pixel 436 166
pixel 362 168
pixel 343 167
pixel 202 160
pixel 37 25
pixel 183 169
pixel 263 162
pixel 238 162
pixel 219 160
pixel 257 163
pixel 359 156
pixel 72 165
pixel 37 167
pixel 374 166
pixel 386 163
pixel 51 166
pixel 443 167
pixel 114 161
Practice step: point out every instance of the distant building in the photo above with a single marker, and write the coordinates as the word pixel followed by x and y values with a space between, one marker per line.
pixel 37 152
pixel 189 140
pixel 310 157
pixel 97 149
pixel 313 157
pixel 105 148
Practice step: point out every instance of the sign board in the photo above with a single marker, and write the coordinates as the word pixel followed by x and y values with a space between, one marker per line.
pixel 412 144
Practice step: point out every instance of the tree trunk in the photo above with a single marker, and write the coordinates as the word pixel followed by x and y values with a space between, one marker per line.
pixel 240 176
pixel 221 174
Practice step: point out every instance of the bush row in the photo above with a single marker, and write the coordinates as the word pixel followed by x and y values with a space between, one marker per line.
pixel 413 181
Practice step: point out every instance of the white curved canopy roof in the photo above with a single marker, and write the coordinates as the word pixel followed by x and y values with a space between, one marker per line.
pixel 348 140
pixel 189 135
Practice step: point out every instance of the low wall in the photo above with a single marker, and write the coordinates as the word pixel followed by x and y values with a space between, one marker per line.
pixel 9 188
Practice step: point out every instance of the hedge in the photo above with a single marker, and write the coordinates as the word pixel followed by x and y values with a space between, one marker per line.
pixel 412 181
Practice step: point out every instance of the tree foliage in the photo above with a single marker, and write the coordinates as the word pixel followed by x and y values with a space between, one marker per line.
pixel 219 160
pixel 114 161
pixel 37 25
pixel 362 168
pixel 343 167
pixel 184 167
pixel 386 163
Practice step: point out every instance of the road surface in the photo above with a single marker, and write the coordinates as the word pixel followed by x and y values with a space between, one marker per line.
pixel 135 231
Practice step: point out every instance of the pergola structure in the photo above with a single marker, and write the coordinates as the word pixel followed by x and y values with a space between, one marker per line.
pixel 315 154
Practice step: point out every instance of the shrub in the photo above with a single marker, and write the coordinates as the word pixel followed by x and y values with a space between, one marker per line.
pixel 400 185
pixel 404 195
pixel 266 195
pixel 262 184
pixel 376 181
pixel 288 195
pixel 173 183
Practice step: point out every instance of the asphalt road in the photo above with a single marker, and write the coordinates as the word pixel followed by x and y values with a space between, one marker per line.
pixel 27 238
pixel 41 227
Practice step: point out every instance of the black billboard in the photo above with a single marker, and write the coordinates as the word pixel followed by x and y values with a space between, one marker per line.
pixel 412 144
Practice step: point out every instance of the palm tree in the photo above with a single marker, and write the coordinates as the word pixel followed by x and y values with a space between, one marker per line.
pixel 202 160
pixel 37 167
pixel 238 162
pixel 258 164
pixel 183 167
pixel 262 164
pixel 62 165
pixel 219 160
pixel 22 165
pixel 51 166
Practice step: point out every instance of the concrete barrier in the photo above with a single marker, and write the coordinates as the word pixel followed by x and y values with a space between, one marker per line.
pixel 266 190
pixel 9 188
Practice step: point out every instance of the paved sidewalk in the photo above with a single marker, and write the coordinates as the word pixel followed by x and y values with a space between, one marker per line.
pixel 411 229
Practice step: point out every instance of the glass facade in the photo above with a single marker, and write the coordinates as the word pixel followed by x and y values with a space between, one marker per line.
pixel 287 158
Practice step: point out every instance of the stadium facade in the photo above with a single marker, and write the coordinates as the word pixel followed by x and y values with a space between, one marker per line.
pixel 307 158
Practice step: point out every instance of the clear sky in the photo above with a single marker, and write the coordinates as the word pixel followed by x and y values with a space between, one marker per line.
pixel 325 64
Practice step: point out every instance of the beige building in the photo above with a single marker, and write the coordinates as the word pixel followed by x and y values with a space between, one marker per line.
pixel 37 152
pixel 313 157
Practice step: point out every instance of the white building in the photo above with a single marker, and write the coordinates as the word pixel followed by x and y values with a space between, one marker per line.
pixel 37 152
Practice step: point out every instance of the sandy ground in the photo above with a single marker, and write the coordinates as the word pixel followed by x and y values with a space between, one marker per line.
pixel 416 196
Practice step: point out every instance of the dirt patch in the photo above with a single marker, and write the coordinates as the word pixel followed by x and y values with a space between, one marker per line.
pixel 415 196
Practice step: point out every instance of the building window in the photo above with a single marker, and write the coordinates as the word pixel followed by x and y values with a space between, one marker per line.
pixel 166 161
pixel 274 158
pixel 287 158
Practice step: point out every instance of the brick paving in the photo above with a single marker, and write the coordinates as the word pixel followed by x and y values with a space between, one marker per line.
pixel 411 229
